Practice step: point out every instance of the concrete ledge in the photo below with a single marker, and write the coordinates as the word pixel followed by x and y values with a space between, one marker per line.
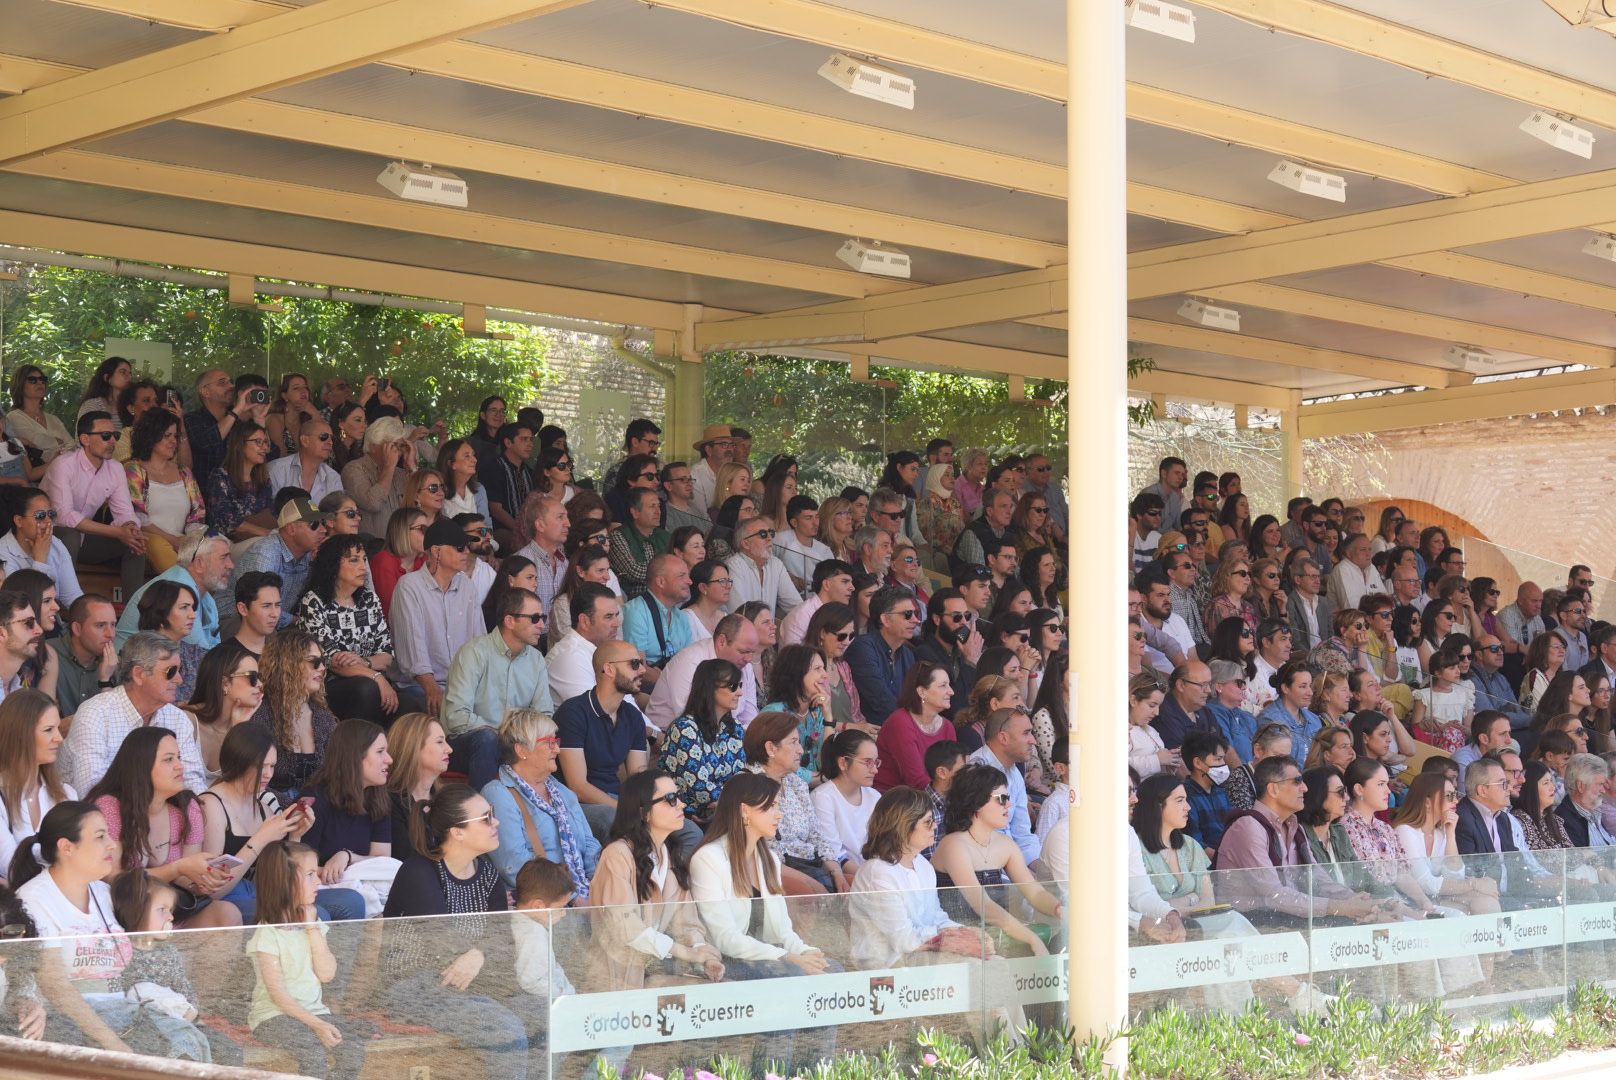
pixel 1579 1063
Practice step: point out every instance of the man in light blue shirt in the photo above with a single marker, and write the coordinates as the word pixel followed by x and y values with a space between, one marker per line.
pixel 653 621
pixel 288 552
pixel 307 469
pixel 502 669
pixel 204 566
pixel 1008 742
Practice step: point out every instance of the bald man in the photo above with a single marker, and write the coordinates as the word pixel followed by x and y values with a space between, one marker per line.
pixel 603 733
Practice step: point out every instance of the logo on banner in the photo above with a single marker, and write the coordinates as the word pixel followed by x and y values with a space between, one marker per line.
pixel 1380 944
pixel 669 1010
pixel 882 988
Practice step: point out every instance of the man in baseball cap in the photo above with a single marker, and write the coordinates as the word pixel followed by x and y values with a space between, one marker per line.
pixel 288 552
pixel 436 611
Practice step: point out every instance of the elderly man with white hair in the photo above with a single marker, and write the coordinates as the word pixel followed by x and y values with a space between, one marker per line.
pixel 1585 776
pixel 204 566
pixel 376 480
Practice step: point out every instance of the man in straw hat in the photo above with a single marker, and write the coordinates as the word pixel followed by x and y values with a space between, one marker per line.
pixel 715 447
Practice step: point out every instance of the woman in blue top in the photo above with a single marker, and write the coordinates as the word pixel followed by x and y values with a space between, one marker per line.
pixel 797 685
pixel 1294 682
pixel 542 817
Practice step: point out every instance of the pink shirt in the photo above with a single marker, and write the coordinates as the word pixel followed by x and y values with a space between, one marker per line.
pixel 183 828
pixel 78 488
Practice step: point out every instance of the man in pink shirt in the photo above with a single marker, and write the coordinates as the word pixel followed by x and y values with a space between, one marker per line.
pixel 79 485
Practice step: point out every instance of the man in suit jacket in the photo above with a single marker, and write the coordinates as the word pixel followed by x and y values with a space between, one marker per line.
pixel 1585 778
pixel 1481 829
pixel 1310 612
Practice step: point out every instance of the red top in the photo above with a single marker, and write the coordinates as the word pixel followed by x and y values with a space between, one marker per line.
pixel 903 749
pixel 385 571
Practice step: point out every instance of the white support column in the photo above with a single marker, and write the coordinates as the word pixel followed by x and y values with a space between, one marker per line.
pixel 1290 428
pixel 1097 343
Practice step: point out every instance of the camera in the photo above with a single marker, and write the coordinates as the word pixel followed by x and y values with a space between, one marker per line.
pixel 258 396
pixel 384 384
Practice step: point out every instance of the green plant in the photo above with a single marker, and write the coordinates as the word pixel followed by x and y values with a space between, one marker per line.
pixel 1353 1039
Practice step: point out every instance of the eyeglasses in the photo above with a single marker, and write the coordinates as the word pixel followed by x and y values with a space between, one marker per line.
pixel 1037 509
pixel 720 581
pixel 1577 732
pixel 1022 637
pixel 1139 637
pixel 955 617
pixel 170 672
pixel 1245 631
pixel 261 443
pixel 647 476
pixel 1002 798
pixel 564 466
pixel 1492 648
pixel 431 489
pixel 314 661
pixel 324 436
pixel 253 678
pixel 28 623
pixel 37 380
pixel 105 436
pixel 1359 626
pixel 887 514
pixel 766 534
pixel 44 515
pixel 1585 583
pixel 670 799
pixel 488 817
pixel 634 665
pixel 908 615
pixel 1240 573
pixel 843 635
pixel 350 513
pixel 1298 781
pixel 534 617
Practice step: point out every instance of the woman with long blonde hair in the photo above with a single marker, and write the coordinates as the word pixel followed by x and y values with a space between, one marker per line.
pixel 836 525
pixel 30 736
pixel 420 751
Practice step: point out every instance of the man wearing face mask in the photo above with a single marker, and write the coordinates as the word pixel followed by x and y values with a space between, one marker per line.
pixel 1209 802
pixel 951 641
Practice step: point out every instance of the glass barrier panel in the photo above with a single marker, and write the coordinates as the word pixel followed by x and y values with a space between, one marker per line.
pixel 1212 942
pixel 1509 567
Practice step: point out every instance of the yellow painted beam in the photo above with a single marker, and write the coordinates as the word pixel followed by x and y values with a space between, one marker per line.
pixel 291 47
pixel 1525 210
pixel 1482 401
pixel 213 16
pixel 1267 350
pixel 1201 212
pixel 1394 43
pixel 385 212
pixel 229 256
pixel 1003 298
pixel 1399 320
pixel 20 74
pixel 1163 108
pixel 1185 386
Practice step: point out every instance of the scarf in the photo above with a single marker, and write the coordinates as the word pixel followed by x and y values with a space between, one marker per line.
pixel 571 854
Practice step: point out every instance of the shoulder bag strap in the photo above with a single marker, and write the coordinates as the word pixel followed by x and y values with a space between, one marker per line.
pixel 527 822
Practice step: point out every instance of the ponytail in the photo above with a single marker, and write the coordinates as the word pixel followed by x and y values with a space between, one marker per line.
pixel 444 811
pixel 64 821
pixel 844 743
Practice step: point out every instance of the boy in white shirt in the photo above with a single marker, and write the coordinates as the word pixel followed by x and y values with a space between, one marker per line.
pixel 542 887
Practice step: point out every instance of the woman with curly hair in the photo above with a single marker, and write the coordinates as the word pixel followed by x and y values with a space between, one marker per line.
pixel 294 709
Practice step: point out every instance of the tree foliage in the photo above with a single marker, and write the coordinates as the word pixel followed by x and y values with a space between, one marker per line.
pixel 61 318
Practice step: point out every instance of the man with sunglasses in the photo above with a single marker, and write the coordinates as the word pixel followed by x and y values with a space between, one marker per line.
pixel 887 511
pixel 436 611
pixel 308 468
pixel 502 669
pixel 951 641
pixel 204 567
pixel 84 482
pixel 148 678
pixel 880 658
pixel 19 638
pixel 87 656
pixel 757 573
pixel 642 436
pixel 1493 691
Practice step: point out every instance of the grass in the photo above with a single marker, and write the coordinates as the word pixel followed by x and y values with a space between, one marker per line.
pixel 1353 1039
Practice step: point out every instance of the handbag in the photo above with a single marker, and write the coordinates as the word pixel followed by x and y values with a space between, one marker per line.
pixel 187 902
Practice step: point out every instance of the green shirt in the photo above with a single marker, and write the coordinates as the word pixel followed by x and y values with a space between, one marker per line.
pixel 290 946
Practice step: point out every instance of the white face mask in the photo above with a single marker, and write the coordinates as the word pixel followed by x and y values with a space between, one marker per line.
pixel 1218 773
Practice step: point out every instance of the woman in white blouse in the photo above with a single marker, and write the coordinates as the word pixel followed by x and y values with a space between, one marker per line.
pixel 844 802
pixel 735 880
pixel 30 736
pixel 29 422
pixel 896 917
pixel 1425 824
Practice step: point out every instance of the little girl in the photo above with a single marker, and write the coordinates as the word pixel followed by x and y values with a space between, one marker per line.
pixel 292 960
pixel 155 976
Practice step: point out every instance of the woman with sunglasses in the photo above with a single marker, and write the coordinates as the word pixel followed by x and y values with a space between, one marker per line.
pixel 702 749
pixel 424 490
pixel 1138 656
pixel 1391 519
pixel 1147 754
pixel 404 551
pixel 1267 590
pixel 977 862
pixel 456 876
pixel 28 419
pixel 836 527
pixel 344 513
pixel 645 933
pixel 294 710
pixel 537 807
pixel 831 632
pixel 167 501
pixel 344 615
pixel 238 493
pixel 1441 620
pixel 1231 589
pixel 1426 826
pixel 228 693
pixel 554 471
pixel 31 542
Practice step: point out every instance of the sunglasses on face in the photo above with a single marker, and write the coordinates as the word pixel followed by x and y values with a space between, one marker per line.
pixel 670 799
pixel 481 530
pixel 171 672
pixel 844 636
pixel 766 534
pixel 908 615
pixel 432 489
pixel 253 678
pixel 534 617
pixel 727 686
pixel 563 466
pixel 324 436
pixel 1002 798
pixel 37 380
pixel 1139 637
pixel 28 623
pixel 104 436
pixel 350 513
pixel 1245 632
pixel 634 665
pixel 44 515
pixel 647 476
pixel 488 817
pixel 1240 573
pixel 1037 509
pixel 314 661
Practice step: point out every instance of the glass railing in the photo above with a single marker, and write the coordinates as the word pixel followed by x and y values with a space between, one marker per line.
pixel 1509 567
pixel 571 992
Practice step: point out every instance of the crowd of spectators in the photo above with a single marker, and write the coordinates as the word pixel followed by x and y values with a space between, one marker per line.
pixel 295 661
